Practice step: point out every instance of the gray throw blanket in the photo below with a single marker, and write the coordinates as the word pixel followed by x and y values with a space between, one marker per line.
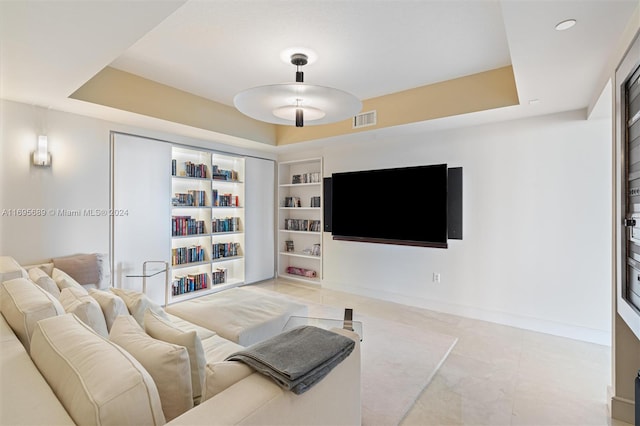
pixel 299 358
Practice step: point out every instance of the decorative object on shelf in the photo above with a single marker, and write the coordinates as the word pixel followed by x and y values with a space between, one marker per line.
pixel 42 157
pixel 297 103
pixel 309 273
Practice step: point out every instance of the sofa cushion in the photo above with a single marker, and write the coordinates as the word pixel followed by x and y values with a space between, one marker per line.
pixel 23 304
pixel 41 278
pixel 82 267
pixel 168 364
pixel 112 306
pixel 137 303
pixel 96 380
pixel 220 375
pixel 161 329
pixel 64 280
pixel 46 267
pixel 86 308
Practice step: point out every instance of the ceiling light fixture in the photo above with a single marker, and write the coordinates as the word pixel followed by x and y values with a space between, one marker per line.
pixel 297 103
pixel 566 24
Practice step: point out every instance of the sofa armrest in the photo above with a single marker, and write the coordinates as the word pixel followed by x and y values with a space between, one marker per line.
pixel 26 398
pixel 257 400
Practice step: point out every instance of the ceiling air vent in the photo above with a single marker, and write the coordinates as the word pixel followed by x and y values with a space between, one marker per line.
pixel 365 119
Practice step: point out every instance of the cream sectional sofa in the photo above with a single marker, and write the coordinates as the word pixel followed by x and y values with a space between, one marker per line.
pixel 58 367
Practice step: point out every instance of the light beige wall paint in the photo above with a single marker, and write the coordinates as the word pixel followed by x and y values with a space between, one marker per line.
pixel 478 92
pixel 122 90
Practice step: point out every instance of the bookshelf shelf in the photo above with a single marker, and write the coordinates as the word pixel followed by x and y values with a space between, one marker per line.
pixel 299 198
pixel 194 177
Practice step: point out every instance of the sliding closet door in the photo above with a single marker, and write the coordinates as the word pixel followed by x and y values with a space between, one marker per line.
pixel 141 195
pixel 259 219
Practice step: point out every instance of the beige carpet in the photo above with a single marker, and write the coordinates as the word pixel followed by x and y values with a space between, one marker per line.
pixel 398 362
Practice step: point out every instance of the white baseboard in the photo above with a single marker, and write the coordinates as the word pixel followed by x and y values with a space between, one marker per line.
pixel 601 337
pixel 623 409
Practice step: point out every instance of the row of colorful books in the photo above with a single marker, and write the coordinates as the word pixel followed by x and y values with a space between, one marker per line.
pixel 221 174
pixel 227 224
pixel 221 250
pixel 225 200
pixel 190 169
pixel 189 283
pixel 186 225
pixel 191 254
pixel 193 198
pixel 302 225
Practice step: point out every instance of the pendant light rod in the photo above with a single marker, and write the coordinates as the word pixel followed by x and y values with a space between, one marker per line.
pixel 299 59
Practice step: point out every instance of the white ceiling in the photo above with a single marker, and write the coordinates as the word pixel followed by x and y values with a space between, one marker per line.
pixel 216 48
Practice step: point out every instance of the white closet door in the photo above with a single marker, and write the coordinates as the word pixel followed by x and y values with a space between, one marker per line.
pixel 141 195
pixel 259 219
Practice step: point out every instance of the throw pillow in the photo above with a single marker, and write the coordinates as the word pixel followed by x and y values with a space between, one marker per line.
pixel 84 307
pixel 138 303
pixel 161 329
pixel 41 278
pixel 64 280
pixel 23 304
pixel 112 306
pixel 168 364
pixel 82 267
pixel 97 381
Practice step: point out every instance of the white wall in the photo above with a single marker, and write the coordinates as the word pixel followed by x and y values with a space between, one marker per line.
pixel 78 179
pixel 537 216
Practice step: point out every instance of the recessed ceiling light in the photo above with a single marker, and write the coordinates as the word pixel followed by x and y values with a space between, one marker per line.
pixel 566 24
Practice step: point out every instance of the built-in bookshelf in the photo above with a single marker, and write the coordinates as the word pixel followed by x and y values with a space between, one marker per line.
pixel 300 220
pixel 207 222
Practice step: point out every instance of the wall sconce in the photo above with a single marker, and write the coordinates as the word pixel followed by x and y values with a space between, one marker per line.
pixel 41 156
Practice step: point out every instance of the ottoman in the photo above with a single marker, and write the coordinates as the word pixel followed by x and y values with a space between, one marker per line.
pixel 242 314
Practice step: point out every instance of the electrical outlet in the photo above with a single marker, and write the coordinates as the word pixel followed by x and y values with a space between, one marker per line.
pixel 436 277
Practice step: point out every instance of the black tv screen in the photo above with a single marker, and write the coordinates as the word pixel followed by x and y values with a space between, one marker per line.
pixel 405 206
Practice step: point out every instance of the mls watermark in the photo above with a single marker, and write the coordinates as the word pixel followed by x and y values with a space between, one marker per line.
pixel 63 212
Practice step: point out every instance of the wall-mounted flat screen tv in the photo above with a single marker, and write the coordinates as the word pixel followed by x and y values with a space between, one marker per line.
pixel 406 205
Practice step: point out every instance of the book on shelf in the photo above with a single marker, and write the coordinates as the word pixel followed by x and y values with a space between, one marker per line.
pixel 227 224
pixel 189 283
pixel 220 174
pixel 288 246
pixel 219 276
pixel 225 200
pixel 192 170
pixel 292 202
pixel 186 225
pixel 302 225
pixel 192 198
pixel 222 250
pixel 185 255
pixel 314 202
pixel 313 177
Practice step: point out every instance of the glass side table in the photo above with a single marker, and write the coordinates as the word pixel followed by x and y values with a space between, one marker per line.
pixel 326 323
pixel 148 272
